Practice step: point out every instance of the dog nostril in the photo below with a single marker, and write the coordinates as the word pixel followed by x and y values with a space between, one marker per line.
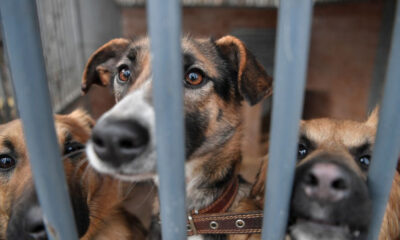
pixel 311 180
pixel 35 224
pixel 98 141
pixel 37 231
pixel 339 184
pixel 126 143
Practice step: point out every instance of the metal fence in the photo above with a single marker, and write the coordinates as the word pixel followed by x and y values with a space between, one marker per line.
pixel 20 31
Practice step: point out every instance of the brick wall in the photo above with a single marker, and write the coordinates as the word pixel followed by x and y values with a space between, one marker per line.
pixel 343 47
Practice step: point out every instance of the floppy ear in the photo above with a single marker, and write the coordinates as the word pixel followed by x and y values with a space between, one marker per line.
pixel 373 117
pixel 100 65
pixel 253 81
pixel 83 117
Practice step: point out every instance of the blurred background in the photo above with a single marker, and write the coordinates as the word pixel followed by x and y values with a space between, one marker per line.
pixel 348 49
pixel 347 60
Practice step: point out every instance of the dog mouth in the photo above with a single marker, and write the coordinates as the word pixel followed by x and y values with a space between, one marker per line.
pixel 322 229
pixel 135 177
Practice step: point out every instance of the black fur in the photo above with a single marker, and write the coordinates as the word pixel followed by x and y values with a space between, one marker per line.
pixel 220 114
pixel 196 124
pixel 8 144
pixel 155 229
pixel 362 149
pixel 215 237
pixel 224 86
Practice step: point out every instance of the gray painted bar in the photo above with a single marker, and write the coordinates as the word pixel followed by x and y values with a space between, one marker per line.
pixel 291 58
pixel 387 144
pixel 382 53
pixel 165 38
pixel 22 37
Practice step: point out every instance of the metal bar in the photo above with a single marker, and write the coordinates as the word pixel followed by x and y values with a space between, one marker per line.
pixel 387 143
pixel 382 54
pixel 22 37
pixel 165 38
pixel 291 59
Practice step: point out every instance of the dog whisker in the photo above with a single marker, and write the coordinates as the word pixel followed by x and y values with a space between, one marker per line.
pixel 130 188
pixel 149 193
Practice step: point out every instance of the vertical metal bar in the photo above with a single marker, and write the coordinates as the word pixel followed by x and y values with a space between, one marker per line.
pixel 22 37
pixel 387 143
pixel 382 53
pixel 291 59
pixel 165 38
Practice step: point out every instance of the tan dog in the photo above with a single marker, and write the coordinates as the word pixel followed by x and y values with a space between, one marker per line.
pixel 219 75
pixel 330 198
pixel 96 199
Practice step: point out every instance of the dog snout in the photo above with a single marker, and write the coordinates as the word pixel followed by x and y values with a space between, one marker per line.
pixel 27 219
pixel 119 141
pixel 34 224
pixel 326 181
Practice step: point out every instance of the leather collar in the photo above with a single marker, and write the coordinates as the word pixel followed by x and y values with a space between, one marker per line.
pixel 223 203
pixel 213 219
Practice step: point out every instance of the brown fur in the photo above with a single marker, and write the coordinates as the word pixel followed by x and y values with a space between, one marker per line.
pixel 212 111
pixel 335 136
pixel 104 195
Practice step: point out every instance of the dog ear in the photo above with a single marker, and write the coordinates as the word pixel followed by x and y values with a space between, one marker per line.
pixel 83 117
pixel 253 81
pixel 373 117
pixel 99 67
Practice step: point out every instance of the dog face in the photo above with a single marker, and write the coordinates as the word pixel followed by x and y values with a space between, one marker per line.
pixel 95 199
pixel 218 76
pixel 21 216
pixel 330 198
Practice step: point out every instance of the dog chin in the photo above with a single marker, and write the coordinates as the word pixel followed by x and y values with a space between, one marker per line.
pixel 314 230
pixel 136 177
pixel 123 173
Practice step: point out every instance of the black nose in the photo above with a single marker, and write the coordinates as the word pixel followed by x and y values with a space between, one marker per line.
pixel 119 141
pixel 326 181
pixel 26 221
pixel 34 225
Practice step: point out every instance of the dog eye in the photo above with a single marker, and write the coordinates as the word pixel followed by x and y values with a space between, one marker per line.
pixel 194 77
pixel 6 163
pixel 71 147
pixel 365 161
pixel 124 74
pixel 302 151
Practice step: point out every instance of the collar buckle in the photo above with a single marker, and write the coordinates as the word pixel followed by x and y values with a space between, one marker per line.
pixel 191 228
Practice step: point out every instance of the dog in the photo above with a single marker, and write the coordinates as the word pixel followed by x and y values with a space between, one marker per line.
pixel 96 199
pixel 219 75
pixel 330 198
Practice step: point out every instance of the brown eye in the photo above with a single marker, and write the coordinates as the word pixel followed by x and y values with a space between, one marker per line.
pixel 124 74
pixel 6 163
pixel 194 77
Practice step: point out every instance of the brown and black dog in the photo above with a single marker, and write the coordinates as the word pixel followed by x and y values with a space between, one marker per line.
pixel 96 199
pixel 330 198
pixel 218 76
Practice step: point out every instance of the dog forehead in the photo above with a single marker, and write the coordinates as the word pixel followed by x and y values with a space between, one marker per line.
pixel 201 50
pixel 68 126
pixel 203 53
pixel 12 133
pixel 338 132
